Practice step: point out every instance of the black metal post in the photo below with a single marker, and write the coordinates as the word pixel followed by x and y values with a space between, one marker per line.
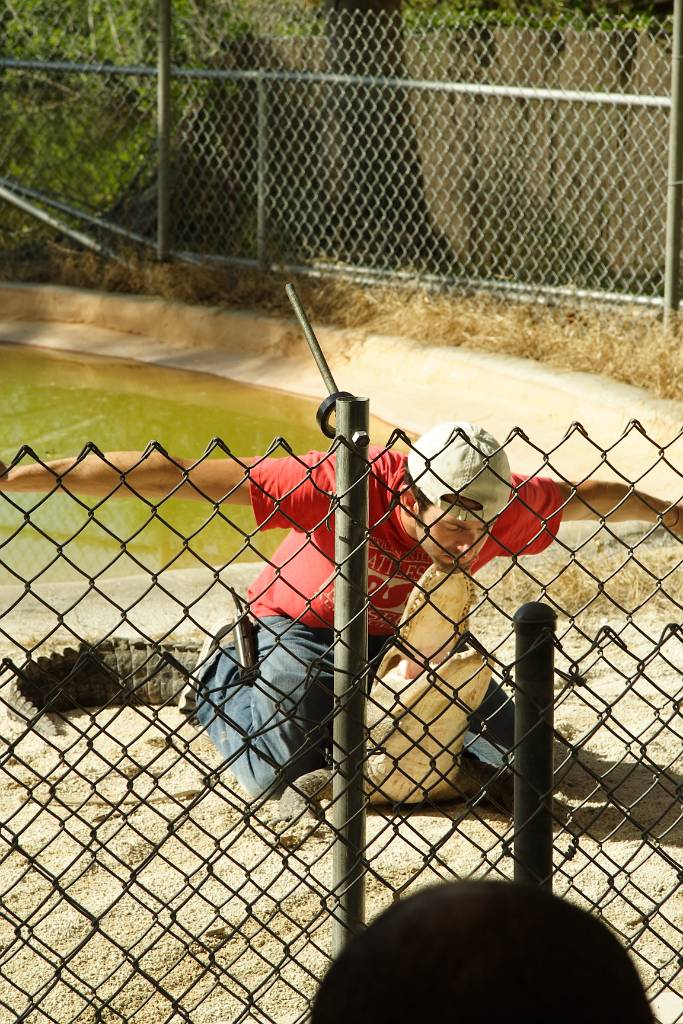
pixel 350 669
pixel 535 625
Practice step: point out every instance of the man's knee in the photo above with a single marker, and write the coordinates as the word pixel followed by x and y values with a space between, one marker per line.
pixel 292 684
pixel 270 727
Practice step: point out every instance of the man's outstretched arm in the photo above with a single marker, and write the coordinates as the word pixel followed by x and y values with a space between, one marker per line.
pixel 618 502
pixel 152 475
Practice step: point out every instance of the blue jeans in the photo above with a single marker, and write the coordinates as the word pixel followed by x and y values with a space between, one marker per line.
pixel 276 726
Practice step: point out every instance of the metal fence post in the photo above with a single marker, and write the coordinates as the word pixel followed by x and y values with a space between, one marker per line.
pixel 672 269
pixel 163 128
pixel 535 625
pixel 261 166
pixel 350 668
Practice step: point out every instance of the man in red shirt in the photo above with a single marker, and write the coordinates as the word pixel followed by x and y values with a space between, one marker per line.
pixel 452 501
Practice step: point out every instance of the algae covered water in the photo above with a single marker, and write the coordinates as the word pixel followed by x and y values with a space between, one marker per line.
pixel 55 403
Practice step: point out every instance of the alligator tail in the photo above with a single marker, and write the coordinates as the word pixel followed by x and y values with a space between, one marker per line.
pixel 116 671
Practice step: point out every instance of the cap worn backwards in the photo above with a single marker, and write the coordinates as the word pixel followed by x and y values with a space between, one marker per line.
pixel 460 460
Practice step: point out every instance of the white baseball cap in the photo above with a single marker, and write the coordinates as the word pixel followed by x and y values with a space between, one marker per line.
pixel 463 459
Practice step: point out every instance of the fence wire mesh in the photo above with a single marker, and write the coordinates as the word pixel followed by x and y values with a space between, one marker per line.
pixel 143 878
pixel 510 157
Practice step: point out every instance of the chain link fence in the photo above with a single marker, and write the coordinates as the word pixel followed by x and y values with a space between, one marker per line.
pixel 150 868
pixel 516 158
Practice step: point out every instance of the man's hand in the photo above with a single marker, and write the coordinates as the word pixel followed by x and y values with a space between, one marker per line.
pixel 673 519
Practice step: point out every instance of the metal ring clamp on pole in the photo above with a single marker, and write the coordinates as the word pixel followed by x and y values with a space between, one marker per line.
pixel 325 410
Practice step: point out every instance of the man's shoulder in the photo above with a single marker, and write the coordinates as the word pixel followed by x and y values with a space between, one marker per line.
pixel 387 468
pixel 534 507
pixel 386 462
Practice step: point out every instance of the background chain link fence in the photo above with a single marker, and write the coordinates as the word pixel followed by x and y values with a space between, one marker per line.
pixel 139 881
pixel 507 157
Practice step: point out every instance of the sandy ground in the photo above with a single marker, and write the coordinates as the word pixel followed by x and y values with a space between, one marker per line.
pixel 138 885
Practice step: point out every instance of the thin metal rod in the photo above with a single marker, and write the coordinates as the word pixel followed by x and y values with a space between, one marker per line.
pixel 54 222
pixel 535 624
pixel 261 169
pixel 313 343
pixel 616 99
pixel 73 211
pixel 94 68
pixel 672 269
pixel 350 668
pixel 163 129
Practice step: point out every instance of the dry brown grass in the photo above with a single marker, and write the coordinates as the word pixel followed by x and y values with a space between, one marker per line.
pixel 604 581
pixel 625 344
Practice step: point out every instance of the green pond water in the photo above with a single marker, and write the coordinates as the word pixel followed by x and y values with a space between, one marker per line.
pixel 55 403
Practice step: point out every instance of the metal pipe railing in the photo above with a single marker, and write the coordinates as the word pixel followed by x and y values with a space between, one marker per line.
pixel 261 174
pixel 24 191
pixel 672 270
pixel 381 81
pixel 164 130
pixel 54 222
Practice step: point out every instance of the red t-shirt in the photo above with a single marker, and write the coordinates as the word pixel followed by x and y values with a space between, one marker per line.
pixel 297 492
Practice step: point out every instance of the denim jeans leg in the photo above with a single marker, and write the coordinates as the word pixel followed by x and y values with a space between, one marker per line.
pixel 274 727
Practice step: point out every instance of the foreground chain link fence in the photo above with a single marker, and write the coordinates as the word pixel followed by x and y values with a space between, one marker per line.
pixel 514 158
pixel 150 870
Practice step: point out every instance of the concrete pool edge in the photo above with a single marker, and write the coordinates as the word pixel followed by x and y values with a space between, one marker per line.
pixel 184 328
pixel 409 383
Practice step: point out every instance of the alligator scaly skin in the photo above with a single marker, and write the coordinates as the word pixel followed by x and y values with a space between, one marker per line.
pixel 116 671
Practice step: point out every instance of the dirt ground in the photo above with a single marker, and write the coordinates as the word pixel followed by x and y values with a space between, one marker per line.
pixel 139 886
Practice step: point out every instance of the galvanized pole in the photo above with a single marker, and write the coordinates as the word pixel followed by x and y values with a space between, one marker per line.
pixel 54 222
pixel 672 269
pixel 261 170
pixel 533 765
pixel 350 668
pixel 163 128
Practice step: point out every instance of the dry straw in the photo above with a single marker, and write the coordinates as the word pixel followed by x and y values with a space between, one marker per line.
pixel 604 582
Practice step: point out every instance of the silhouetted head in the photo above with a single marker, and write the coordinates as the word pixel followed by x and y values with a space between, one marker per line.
pixel 482 953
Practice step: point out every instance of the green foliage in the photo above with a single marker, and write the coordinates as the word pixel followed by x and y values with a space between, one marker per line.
pixel 125 31
pixel 118 32
pixel 103 31
pixel 80 137
pixel 549 14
